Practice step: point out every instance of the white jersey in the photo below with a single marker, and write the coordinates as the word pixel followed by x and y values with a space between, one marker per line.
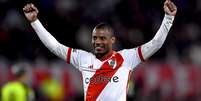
pixel 105 80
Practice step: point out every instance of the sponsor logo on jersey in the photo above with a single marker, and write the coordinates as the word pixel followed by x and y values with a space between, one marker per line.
pixel 101 79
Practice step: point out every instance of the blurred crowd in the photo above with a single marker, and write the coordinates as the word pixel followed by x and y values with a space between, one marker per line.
pixel 55 81
pixel 135 22
pixel 152 81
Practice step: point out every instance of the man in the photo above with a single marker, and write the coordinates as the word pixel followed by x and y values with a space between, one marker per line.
pixel 17 90
pixel 105 72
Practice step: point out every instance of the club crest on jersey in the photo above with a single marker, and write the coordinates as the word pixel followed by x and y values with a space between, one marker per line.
pixel 112 63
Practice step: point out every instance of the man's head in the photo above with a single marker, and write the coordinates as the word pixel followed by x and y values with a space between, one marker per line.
pixel 19 71
pixel 102 39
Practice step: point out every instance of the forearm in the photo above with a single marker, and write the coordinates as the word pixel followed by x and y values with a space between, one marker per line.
pixel 156 43
pixel 48 40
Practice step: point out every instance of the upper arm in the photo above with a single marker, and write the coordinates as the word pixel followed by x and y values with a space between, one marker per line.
pixel 149 48
pixel 60 50
pixel 71 55
pixel 76 57
pixel 132 57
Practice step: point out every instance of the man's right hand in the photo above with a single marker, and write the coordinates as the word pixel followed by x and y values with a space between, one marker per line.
pixel 31 12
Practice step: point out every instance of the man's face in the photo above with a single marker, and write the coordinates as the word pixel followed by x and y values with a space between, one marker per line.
pixel 102 41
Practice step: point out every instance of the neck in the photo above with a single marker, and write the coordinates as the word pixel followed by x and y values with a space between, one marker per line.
pixel 21 79
pixel 104 57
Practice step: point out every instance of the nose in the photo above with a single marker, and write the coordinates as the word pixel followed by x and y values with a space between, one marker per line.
pixel 97 41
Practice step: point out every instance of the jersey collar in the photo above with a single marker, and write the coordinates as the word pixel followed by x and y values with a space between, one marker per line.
pixel 108 56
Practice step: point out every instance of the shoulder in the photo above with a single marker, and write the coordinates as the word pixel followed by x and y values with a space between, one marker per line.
pixel 125 52
pixel 81 52
pixel 81 55
pixel 8 85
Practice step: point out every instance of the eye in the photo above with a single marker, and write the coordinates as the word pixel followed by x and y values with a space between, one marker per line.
pixel 102 38
pixel 94 37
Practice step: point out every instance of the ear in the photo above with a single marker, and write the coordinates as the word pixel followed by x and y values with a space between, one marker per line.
pixel 113 39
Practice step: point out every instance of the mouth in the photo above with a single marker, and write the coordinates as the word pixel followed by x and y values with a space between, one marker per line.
pixel 99 48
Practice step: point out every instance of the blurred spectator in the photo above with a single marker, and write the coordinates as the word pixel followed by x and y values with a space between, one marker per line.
pixel 18 90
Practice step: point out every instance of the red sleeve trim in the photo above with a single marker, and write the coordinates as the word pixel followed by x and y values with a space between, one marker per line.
pixel 140 54
pixel 68 55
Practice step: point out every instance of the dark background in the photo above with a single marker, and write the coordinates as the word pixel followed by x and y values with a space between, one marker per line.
pixel 135 22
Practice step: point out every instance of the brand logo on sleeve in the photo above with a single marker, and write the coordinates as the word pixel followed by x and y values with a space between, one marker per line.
pixel 91 66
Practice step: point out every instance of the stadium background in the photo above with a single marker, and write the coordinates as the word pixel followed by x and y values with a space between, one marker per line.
pixel 172 74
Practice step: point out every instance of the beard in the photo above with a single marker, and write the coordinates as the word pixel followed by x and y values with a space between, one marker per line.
pixel 101 51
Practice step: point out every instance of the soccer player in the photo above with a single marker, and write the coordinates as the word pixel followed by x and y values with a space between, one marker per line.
pixel 105 72
pixel 17 90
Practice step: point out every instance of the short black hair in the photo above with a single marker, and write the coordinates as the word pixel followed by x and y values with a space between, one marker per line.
pixel 18 70
pixel 105 26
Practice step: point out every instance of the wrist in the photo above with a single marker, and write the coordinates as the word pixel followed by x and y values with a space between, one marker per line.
pixel 34 22
pixel 34 19
pixel 169 17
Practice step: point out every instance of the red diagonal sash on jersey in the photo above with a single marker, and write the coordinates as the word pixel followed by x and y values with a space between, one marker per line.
pixel 95 88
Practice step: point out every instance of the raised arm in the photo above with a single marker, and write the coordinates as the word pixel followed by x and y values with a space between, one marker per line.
pixel 155 44
pixel 48 40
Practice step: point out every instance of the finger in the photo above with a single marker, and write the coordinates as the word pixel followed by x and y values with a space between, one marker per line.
pixel 31 5
pixel 166 2
pixel 170 6
pixel 166 9
pixel 174 6
pixel 35 9
pixel 25 8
